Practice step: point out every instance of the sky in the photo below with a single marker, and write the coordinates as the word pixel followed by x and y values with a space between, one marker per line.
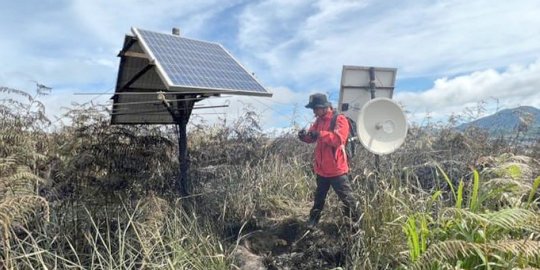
pixel 450 55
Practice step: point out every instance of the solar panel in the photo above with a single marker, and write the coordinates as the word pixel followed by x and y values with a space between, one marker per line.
pixel 191 65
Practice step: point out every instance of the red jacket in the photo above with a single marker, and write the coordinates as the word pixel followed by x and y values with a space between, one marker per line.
pixel 330 157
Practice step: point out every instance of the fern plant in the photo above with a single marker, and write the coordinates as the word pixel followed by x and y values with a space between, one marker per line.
pixel 477 234
pixel 21 155
pixel 491 240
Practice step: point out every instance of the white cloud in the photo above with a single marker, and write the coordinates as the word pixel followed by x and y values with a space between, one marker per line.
pixel 61 100
pixel 75 42
pixel 515 86
pixel 420 37
pixel 297 45
pixel 119 16
pixel 284 108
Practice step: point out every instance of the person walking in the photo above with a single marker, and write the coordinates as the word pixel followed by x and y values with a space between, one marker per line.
pixel 330 165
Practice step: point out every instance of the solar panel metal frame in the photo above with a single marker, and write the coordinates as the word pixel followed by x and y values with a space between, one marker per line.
pixel 133 61
pixel 141 77
pixel 169 84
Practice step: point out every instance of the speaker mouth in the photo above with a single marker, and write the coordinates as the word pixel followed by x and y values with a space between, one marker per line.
pixel 381 126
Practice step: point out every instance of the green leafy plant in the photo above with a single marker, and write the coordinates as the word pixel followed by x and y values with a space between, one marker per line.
pixel 417 232
pixel 534 189
pixel 478 236
pixel 474 203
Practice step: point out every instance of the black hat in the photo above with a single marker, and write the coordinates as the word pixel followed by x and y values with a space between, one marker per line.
pixel 318 101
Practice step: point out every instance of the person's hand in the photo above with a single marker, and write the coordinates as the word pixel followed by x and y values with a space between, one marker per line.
pixel 301 134
pixel 313 134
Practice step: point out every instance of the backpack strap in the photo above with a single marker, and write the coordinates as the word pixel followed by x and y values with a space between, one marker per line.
pixel 332 127
pixel 333 121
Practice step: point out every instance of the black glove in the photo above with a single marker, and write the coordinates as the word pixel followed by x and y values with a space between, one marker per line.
pixel 301 134
pixel 313 134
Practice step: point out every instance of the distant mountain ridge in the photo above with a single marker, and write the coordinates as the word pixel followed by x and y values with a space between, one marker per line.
pixel 506 121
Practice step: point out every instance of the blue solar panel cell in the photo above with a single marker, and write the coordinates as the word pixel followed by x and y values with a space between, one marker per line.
pixel 197 64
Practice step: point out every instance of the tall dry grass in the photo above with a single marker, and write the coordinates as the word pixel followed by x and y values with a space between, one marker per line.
pixel 106 198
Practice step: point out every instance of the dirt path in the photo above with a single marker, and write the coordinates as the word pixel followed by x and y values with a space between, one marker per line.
pixel 290 245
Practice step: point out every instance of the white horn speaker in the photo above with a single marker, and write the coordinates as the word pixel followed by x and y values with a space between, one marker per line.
pixel 381 126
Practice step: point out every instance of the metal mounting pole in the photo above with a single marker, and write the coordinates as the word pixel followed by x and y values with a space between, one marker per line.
pixel 183 182
pixel 181 118
pixel 372 90
pixel 372 82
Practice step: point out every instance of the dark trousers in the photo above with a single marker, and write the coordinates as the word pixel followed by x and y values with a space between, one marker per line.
pixel 343 189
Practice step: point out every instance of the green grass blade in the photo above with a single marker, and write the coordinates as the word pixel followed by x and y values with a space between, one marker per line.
pixel 535 186
pixel 459 200
pixel 447 179
pixel 473 204
pixel 424 233
pixel 412 237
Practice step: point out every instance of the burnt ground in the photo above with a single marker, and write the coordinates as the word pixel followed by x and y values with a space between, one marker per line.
pixel 288 244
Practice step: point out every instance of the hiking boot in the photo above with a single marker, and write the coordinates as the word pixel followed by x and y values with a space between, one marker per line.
pixel 312 223
pixel 314 217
